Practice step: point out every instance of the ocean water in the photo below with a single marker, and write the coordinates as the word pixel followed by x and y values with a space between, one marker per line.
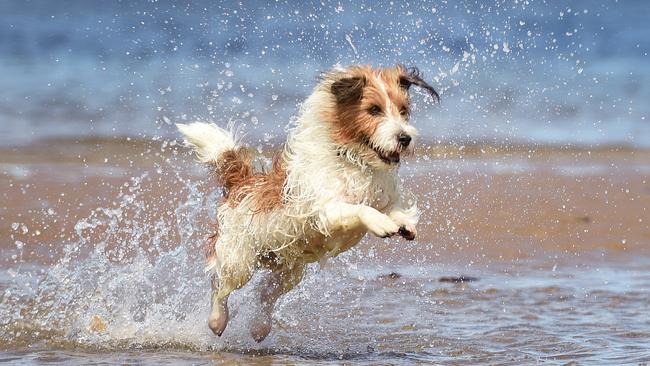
pixel 541 72
pixel 102 262
pixel 533 178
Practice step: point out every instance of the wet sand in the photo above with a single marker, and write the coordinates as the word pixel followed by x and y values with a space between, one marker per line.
pixel 558 239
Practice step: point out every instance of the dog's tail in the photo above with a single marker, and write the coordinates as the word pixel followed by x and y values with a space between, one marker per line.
pixel 218 147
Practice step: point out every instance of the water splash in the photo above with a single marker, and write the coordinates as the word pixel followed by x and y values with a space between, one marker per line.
pixel 132 278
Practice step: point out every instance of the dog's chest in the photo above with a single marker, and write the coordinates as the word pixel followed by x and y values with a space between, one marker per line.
pixel 354 187
pixel 320 247
pixel 377 191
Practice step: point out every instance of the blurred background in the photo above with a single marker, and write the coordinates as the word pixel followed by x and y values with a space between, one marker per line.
pixel 543 72
pixel 532 178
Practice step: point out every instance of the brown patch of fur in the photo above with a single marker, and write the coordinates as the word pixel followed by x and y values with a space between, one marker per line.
pixel 234 167
pixel 235 173
pixel 267 188
pixel 357 92
pixel 400 104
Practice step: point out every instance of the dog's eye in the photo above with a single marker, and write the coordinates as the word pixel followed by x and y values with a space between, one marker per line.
pixel 374 110
pixel 404 111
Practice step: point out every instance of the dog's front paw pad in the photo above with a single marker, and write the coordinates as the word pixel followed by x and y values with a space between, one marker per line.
pixel 407 233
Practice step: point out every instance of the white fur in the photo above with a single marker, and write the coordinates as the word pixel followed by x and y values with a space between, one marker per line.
pixel 331 198
pixel 207 140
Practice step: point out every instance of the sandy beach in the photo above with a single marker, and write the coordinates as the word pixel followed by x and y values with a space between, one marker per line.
pixel 102 261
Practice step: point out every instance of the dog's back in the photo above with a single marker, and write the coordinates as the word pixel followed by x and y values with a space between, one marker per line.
pixel 233 166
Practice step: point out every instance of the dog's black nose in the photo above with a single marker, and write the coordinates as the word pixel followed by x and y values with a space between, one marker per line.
pixel 404 139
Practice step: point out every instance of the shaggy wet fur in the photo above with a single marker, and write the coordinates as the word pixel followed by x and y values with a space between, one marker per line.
pixel 335 180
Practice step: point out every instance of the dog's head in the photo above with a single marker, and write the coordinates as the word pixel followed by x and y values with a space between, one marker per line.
pixel 372 112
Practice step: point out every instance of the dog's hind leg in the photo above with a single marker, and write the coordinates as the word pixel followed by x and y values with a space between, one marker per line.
pixel 219 312
pixel 277 283
pixel 231 277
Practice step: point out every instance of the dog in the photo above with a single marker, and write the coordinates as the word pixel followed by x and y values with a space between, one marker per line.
pixel 334 181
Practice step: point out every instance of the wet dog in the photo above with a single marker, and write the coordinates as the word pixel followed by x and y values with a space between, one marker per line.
pixel 334 181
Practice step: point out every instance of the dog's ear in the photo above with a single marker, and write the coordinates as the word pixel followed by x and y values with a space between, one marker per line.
pixel 413 76
pixel 348 89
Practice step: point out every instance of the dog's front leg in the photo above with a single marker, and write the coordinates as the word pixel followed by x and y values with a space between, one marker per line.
pixel 345 216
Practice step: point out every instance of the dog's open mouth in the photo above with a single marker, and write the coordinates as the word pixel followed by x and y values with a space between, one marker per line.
pixel 389 157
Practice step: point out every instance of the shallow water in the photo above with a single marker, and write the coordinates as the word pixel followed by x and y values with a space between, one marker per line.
pixel 513 314
pixel 102 263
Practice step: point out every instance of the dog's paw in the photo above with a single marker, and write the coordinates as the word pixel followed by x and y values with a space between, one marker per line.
pixel 379 224
pixel 217 323
pixel 408 232
pixel 261 326
pixel 406 221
